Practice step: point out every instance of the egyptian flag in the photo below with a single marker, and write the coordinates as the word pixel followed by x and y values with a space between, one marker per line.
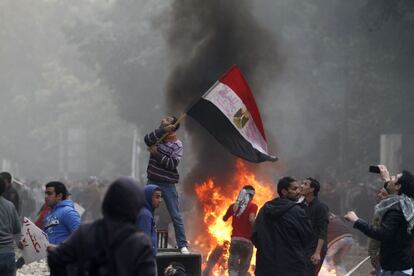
pixel 229 112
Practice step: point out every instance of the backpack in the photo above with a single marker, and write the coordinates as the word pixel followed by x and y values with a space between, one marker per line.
pixel 101 263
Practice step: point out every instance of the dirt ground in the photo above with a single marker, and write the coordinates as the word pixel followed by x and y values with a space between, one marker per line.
pixel 356 255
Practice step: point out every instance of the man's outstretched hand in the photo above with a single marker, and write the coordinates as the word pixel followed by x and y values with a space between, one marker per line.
pixel 351 216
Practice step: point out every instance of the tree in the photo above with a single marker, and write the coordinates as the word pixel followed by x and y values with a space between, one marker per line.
pixel 47 90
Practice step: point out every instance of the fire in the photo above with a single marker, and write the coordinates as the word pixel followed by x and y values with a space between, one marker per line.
pixel 326 272
pixel 215 201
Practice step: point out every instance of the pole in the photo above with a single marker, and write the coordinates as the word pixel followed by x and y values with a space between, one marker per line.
pixel 188 108
pixel 357 266
pixel 134 154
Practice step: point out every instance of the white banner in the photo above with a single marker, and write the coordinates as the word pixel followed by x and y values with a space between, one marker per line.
pixel 34 241
pixel 79 208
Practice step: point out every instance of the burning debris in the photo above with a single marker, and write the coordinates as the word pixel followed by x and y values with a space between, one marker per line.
pixel 204 39
pixel 214 200
pixel 218 256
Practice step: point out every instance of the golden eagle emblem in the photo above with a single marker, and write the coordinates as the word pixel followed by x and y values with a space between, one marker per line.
pixel 241 117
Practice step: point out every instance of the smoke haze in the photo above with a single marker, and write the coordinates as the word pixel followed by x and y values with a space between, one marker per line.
pixel 329 78
pixel 204 39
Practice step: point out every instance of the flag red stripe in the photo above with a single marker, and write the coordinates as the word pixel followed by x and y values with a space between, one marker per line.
pixel 235 80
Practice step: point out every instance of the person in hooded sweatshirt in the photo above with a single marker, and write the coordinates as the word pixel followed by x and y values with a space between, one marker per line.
pixel 10 229
pixel 62 219
pixel 112 244
pixel 282 233
pixel 146 222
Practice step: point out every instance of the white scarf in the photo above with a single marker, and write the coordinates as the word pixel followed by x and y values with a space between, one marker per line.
pixel 243 199
pixel 394 202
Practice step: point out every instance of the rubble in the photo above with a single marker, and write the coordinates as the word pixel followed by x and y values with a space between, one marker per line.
pixel 39 268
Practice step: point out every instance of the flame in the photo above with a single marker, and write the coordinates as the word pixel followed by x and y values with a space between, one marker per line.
pixel 326 272
pixel 215 201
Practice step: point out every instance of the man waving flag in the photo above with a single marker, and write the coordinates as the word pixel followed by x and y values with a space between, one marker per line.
pixel 229 112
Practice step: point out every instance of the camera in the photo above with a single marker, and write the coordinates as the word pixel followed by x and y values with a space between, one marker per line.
pixel 374 169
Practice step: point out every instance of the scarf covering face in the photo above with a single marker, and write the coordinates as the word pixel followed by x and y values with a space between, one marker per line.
pixel 243 199
pixel 393 202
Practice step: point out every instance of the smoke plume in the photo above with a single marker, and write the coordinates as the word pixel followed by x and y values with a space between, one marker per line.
pixel 204 39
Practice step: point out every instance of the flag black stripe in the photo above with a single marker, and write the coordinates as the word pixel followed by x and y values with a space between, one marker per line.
pixel 211 118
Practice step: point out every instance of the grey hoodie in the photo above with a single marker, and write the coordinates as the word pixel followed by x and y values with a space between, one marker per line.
pixel 10 226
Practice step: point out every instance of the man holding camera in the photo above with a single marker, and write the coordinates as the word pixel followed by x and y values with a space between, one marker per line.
pixel 396 214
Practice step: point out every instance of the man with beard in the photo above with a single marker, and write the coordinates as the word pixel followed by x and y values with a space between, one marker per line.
pixel 282 232
pixel 396 214
pixel 166 151
pixel 109 246
pixel 318 214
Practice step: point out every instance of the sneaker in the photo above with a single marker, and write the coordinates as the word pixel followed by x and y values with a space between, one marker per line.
pixel 184 250
pixel 19 262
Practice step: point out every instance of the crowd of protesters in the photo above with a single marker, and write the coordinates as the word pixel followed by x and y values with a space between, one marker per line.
pixel 108 228
pixel 121 241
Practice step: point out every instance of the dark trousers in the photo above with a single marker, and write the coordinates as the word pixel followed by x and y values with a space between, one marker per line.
pixel 240 256
pixel 7 264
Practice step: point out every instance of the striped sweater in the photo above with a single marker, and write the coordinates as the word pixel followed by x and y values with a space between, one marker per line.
pixel 162 167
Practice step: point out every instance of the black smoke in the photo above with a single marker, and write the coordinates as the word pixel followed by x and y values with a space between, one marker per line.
pixel 204 39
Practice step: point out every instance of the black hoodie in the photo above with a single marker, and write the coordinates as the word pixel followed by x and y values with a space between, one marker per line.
pixel 130 250
pixel 281 234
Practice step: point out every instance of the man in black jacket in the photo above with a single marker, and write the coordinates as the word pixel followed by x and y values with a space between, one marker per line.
pixel 112 245
pixel 395 231
pixel 281 234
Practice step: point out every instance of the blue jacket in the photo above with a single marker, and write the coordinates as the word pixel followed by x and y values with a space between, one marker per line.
pixel 145 220
pixel 61 221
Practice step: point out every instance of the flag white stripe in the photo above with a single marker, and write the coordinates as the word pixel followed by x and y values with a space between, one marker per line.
pixel 228 102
